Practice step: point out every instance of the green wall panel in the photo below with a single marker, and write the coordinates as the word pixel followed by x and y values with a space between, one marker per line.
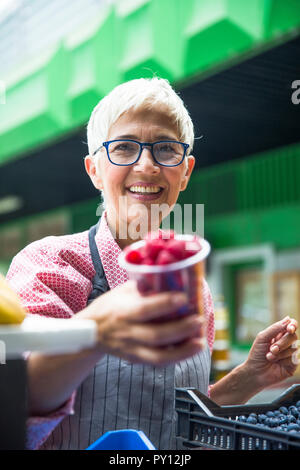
pixel 257 182
pixel 36 108
pixel 82 91
pixel 149 37
pixel 173 39
pixel 218 30
pixel 279 226
pixel 283 16
pixel 93 69
pixel 106 54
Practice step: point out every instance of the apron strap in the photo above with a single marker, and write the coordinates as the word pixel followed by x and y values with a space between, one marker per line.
pixel 100 284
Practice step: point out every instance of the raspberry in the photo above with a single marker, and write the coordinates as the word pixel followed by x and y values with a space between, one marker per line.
pixel 165 257
pixel 176 248
pixel 148 261
pixel 161 247
pixel 153 247
pixel 134 256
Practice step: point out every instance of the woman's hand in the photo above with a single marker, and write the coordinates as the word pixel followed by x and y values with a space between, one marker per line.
pixel 127 328
pixel 271 360
pixel 273 356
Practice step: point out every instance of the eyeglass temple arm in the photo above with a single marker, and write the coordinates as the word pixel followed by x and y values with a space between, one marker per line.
pixel 97 150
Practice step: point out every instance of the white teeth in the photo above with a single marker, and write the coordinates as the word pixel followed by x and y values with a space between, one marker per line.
pixel 144 189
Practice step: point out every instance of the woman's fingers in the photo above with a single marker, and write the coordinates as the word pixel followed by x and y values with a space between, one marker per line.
pixel 277 337
pixel 157 305
pixel 274 330
pixel 283 343
pixel 161 357
pixel 162 334
pixel 292 326
pixel 288 365
pixel 286 353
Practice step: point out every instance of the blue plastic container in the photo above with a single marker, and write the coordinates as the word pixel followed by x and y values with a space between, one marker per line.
pixel 125 439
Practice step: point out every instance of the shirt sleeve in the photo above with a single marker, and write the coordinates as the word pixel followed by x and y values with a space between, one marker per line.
pixel 45 277
pixel 209 315
pixel 39 428
pixel 210 321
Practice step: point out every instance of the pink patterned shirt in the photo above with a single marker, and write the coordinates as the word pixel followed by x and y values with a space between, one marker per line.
pixel 53 278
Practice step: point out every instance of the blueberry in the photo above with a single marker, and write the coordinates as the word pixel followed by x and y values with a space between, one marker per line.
pixel 284 410
pixel 253 414
pixel 298 404
pixel 283 427
pixel 294 411
pixel 270 414
pixel 269 422
pixel 293 427
pixel 242 419
pixel 291 419
pixel 283 419
pixel 277 413
pixel 251 420
pixel 261 418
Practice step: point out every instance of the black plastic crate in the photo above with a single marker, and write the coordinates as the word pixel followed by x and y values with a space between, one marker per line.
pixel 203 423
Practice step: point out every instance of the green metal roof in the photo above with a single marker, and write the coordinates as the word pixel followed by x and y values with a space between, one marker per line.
pixel 173 39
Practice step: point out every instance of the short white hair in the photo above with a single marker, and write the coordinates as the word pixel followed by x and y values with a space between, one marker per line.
pixel 134 94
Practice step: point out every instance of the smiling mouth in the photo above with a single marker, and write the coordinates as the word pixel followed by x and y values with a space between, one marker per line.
pixel 145 189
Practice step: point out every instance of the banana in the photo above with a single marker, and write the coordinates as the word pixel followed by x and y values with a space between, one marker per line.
pixel 11 310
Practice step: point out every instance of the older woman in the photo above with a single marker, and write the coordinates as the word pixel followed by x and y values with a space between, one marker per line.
pixel 139 137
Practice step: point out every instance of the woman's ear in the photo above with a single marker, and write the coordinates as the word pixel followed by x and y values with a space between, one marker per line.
pixel 188 171
pixel 91 169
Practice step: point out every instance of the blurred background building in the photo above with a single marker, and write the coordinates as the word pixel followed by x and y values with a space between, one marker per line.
pixel 237 67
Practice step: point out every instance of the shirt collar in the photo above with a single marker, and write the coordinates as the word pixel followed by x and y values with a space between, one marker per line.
pixel 109 252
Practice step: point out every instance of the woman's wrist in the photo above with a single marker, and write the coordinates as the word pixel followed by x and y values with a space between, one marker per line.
pixel 237 387
pixel 256 380
pixel 249 377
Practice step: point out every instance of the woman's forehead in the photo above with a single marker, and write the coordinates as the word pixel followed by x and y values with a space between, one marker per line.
pixel 151 121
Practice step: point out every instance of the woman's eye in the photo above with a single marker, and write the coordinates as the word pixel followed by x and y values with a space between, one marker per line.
pixel 166 148
pixel 123 148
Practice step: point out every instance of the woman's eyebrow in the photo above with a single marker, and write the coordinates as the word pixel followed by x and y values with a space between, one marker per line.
pixel 134 137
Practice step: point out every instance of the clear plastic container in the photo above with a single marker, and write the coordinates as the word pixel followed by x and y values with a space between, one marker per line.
pixel 186 275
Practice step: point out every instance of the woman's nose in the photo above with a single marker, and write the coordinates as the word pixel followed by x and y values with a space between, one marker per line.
pixel 146 161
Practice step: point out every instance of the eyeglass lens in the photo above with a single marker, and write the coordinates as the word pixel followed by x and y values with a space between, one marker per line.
pixel 124 152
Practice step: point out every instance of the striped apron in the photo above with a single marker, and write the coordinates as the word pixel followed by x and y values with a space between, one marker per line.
pixel 121 395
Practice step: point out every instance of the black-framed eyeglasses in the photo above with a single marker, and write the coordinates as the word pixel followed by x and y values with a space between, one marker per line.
pixel 124 152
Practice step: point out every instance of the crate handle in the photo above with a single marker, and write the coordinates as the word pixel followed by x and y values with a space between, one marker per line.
pixel 292 393
pixel 200 403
